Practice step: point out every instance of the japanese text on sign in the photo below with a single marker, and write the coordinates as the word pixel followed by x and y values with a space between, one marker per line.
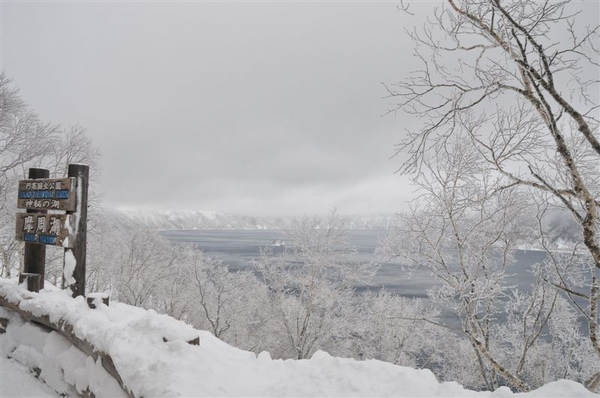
pixel 47 194
pixel 49 229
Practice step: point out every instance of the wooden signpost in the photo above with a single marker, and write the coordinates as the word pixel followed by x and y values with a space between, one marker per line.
pixel 56 215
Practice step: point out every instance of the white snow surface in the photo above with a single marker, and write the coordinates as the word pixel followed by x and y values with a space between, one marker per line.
pixel 70 265
pixel 152 367
pixel 16 380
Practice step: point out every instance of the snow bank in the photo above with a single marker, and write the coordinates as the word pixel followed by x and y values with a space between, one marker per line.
pixel 152 356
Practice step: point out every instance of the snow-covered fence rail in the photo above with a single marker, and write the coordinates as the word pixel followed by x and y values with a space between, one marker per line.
pixel 151 353
pixel 121 338
pixel 66 329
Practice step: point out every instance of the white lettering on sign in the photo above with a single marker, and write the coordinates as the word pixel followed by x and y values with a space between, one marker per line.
pixel 49 229
pixel 48 194
pixel 55 226
pixel 29 224
pixel 41 225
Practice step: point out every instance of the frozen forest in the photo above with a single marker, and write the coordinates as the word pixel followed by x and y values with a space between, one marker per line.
pixel 506 156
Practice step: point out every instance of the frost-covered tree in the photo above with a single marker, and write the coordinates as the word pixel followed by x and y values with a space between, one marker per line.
pixel 143 262
pixel 23 139
pixel 181 281
pixel 391 328
pixel 311 284
pixel 26 141
pixel 231 305
pixel 463 232
pixel 518 81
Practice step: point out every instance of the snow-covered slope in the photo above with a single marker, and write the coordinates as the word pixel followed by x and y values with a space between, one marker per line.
pixel 150 352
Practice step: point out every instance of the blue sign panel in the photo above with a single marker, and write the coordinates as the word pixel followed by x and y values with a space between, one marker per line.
pixel 30 238
pixel 62 194
pixel 48 239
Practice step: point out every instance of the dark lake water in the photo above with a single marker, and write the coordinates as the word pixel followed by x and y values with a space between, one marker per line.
pixel 238 248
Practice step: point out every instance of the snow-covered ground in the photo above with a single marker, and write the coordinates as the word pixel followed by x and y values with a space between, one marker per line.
pixel 152 356
pixel 17 381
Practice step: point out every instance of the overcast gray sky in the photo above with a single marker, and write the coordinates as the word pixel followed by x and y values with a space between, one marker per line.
pixel 251 108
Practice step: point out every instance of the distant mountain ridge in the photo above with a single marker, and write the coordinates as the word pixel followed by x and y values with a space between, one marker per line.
pixel 189 220
pixel 562 233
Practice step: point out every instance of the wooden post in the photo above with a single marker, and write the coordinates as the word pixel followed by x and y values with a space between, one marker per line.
pixel 101 297
pixel 81 172
pixel 34 256
pixel 33 281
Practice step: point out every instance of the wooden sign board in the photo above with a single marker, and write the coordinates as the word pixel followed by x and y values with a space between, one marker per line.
pixel 48 229
pixel 48 194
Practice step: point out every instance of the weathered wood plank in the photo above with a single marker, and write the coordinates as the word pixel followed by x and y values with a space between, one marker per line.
pixel 48 229
pixel 47 194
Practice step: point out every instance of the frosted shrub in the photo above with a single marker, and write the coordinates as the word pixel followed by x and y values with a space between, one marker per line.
pixel 311 285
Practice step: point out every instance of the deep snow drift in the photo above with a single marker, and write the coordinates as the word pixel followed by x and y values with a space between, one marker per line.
pixel 152 367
